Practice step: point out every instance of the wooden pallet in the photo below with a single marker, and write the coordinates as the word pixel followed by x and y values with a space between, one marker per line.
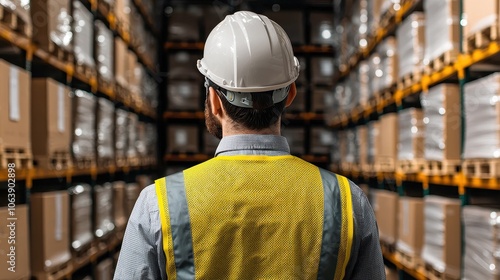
pixel 442 168
pixel 14 22
pixel 368 168
pixel 408 260
pixel 62 271
pixel 432 274
pixel 21 157
pixel 446 59
pixel 482 38
pixel 104 84
pixel 87 71
pixel 410 166
pixel 134 161
pixel 388 18
pixel 121 161
pixel 481 168
pixel 122 94
pixel 60 53
pixel 385 165
pixel 84 163
pixel 57 161
pixel 104 7
pixel 387 247
pixel 409 79
pixel 84 256
pixel 105 162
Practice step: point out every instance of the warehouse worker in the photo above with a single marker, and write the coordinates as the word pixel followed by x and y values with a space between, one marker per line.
pixel 254 211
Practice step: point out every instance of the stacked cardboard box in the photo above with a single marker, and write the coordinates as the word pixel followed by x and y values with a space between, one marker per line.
pixel 387 51
pixel 83 139
pixel 411 227
pixel 83 28
pixel 386 209
pixel 121 62
pixel 52 25
pixel 182 139
pixel 149 89
pixel 183 24
pixel 140 144
pixel 19 232
pixel 15 119
pixel 321 28
pixel 134 78
pixel 120 217
pixel 121 136
pixel 104 52
pixel 375 74
pixel 132 120
pixel 482 243
pixel 362 144
pixel 351 156
pixel 122 12
pixel 374 141
pixel 50 123
pixel 411 134
pixel 388 134
pixel 322 71
pixel 81 217
pixel 363 73
pixel 105 129
pixel 335 157
pixel 442 118
pixel 319 96
pixel 105 269
pixel 49 232
pixel 478 18
pixel 442 248
pixel 183 96
pixel 103 210
pixel 411 45
pixel 22 19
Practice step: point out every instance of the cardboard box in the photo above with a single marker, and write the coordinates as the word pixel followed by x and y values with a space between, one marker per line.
pixel 121 135
pixel 50 122
pixel 122 13
pixel 20 234
pixel 410 37
pixel 443 140
pixel 83 35
pixel 104 47
pixel 322 71
pixel 296 139
pixel 103 210
pixel 15 115
pixel 182 66
pixel 374 141
pixel 411 134
pixel 442 243
pixel 386 212
pixel 133 72
pixel 184 26
pixel 52 24
pixel 105 129
pixel 182 139
pixel 478 17
pixel 121 62
pixel 49 227
pixel 132 121
pixel 184 96
pixel 119 216
pixel 443 35
pixel 387 148
pixel 411 226
pixel 322 28
pixel 321 140
pixel 81 216
pixel 84 136
pixel 362 140
pixel 105 270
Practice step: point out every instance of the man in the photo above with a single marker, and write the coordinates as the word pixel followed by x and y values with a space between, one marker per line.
pixel 254 211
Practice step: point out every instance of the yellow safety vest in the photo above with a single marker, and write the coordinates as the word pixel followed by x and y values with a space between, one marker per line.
pixel 255 217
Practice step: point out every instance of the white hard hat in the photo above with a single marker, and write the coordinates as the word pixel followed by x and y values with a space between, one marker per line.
pixel 248 52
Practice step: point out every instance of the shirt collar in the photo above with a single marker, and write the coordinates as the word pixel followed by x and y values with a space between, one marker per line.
pixel 253 144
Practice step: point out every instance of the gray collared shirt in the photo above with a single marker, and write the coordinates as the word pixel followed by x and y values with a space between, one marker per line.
pixel 142 256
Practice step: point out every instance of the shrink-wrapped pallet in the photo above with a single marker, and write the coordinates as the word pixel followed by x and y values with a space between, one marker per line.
pixel 442 235
pixel 482 117
pixel 184 96
pixel 103 210
pixel 83 26
pixel 363 75
pixel 149 88
pixel 481 243
pixel 411 134
pixel 152 140
pixel 83 140
pixel 352 148
pixel 132 192
pixel 442 110
pixel 119 211
pixel 183 24
pixel 104 51
pixel 121 136
pixel 411 226
pixel 388 63
pixel 350 95
pixel 81 216
pixel 375 74
pixel 52 28
pixel 122 13
pixel 322 70
pixel 333 101
pixel 105 129
pixel 479 17
pixel 321 28
pixel 140 144
pixel 387 5
pixel 319 98
pixel 374 13
pixel 182 139
pixel 359 21
pixel 132 121
pixel 387 139
pixel 443 35
pixel 410 37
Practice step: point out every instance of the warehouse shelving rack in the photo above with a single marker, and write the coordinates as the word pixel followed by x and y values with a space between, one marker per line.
pixel 302 118
pixel 29 180
pixel 457 71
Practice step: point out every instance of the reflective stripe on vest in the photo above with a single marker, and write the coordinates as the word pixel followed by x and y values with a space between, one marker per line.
pixel 181 254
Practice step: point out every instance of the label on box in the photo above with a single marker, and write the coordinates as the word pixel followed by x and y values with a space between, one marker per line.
pixel 60 108
pixel 406 218
pixel 14 110
pixel 58 221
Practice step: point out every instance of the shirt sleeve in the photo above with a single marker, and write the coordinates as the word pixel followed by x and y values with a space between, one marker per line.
pixel 141 255
pixel 366 257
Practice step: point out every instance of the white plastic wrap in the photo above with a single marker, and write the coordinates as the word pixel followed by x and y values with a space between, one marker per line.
pixel 388 63
pixel 140 144
pixel 57 16
pixel 132 120
pixel 105 129
pixel 434 235
pixel 372 136
pixel 350 97
pixel 19 7
pixel 389 4
pixel 84 120
pixel 364 82
pixel 149 87
pixel 352 155
pixel 121 135
pixel 84 34
pixel 481 118
pixel 411 134
pixel 81 216
pixel 443 19
pixel 376 73
pixel 103 210
pixel 482 243
pixel 322 70
pixel 411 44
pixel 104 51
pixel 184 95
pixel 359 21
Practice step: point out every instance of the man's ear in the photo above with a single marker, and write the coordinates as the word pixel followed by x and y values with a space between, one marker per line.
pixel 215 102
pixel 291 95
